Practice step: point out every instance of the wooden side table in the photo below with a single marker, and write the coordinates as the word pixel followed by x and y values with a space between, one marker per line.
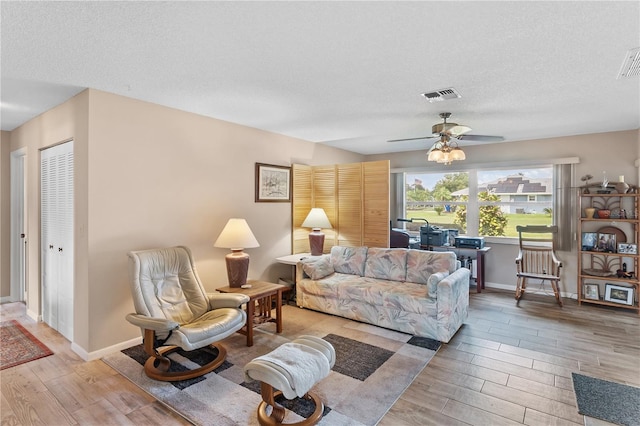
pixel 263 293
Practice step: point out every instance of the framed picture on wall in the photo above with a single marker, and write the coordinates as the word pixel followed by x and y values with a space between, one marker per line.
pixel 273 183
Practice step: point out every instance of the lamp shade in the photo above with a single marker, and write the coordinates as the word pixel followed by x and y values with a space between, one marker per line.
pixel 435 155
pixel 457 154
pixel 236 235
pixel 316 219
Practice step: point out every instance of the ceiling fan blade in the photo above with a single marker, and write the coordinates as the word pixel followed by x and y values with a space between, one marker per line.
pixel 412 139
pixel 459 130
pixel 480 138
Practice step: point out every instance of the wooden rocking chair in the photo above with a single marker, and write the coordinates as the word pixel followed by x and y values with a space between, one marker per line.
pixel 537 259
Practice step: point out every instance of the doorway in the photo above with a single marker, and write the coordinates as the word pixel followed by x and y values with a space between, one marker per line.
pixel 18 250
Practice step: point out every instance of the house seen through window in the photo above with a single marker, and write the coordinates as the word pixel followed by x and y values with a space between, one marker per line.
pixel 480 202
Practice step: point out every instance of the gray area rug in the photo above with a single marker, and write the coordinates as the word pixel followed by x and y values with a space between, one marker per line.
pixel 609 401
pixel 374 366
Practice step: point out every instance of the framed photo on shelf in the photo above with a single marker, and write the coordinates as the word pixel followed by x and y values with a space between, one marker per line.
pixel 618 294
pixel 589 241
pixel 273 183
pixel 592 291
pixel 607 242
pixel 627 248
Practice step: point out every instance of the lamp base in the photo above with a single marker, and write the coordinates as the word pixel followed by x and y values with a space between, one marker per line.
pixel 237 268
pixel 316 242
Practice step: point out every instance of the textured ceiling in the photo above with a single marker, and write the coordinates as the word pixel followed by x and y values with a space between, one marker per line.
pixel 348 74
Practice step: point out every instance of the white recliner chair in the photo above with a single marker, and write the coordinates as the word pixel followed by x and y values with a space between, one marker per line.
pixel 174 311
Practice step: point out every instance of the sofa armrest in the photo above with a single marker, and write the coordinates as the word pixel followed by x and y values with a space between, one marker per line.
pixel 300 275
pixel 452 303
pixel 459 278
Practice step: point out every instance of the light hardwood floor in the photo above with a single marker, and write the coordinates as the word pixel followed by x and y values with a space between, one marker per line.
pixel 506 365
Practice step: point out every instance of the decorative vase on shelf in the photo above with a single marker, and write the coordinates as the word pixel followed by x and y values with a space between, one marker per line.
pixel 622 187
pixel 588 212
pixel 604 214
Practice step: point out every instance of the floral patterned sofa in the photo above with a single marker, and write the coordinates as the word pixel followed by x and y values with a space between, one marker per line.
pixel 423 293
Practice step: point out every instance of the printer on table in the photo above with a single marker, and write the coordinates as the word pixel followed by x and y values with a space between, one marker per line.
pixel 469 242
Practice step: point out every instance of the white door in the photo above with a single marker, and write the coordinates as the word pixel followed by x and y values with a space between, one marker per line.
pixel 56 224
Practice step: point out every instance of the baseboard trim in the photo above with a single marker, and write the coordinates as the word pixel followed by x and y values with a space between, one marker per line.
pixel 34 315
pixel 5 299
pixel 511 287
pixel 91 356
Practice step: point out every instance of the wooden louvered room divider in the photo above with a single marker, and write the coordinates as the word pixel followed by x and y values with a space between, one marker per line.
pixel 354 196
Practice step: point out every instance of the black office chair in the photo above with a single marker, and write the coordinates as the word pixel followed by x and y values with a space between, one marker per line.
pixel 398 239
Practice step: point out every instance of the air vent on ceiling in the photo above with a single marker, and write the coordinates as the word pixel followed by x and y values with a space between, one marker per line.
pixel 631 64
pixel 442 95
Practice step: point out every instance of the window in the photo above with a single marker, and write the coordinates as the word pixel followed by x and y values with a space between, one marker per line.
pixel 435 198
pixel 485 202
pixel 508 198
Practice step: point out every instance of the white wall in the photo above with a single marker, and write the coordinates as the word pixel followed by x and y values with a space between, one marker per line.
pixel 615 153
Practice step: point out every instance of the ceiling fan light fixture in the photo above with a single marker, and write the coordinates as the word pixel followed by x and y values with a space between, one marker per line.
pixel 446 151
pixel 458 154
pixel 446 158
pixel 435 155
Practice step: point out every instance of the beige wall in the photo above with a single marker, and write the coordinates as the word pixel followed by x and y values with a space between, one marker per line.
pixel 5 216
pixel 62 123
pixel 149 176
pixel 616 153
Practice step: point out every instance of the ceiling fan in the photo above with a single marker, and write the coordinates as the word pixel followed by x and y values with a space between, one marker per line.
pixel 452 131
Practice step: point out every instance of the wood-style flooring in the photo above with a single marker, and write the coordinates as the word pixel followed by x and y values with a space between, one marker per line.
pixel 507 365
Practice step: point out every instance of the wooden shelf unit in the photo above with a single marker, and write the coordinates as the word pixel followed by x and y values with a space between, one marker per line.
pixel 593 263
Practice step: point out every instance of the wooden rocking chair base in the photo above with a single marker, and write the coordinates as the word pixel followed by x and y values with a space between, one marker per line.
pixel 522 285
pixel 278 412
pixel 157 366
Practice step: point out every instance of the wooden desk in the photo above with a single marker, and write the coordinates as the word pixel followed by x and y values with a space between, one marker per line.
pixel 262 293
pixel 480 254
pixel 292 259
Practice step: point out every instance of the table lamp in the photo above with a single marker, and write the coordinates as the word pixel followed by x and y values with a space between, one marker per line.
pixel 316 219
pixel 236 236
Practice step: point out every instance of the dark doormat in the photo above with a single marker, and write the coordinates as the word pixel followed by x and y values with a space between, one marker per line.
pixel 609 401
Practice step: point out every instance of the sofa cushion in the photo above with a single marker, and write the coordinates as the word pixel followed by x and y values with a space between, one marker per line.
pixel 386 264
pixel 421 264
pixel 349 260
pixel 328 286
pixel 360 293
pixel 317 267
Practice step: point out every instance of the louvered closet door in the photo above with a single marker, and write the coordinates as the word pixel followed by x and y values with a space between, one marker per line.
pixel 56 209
